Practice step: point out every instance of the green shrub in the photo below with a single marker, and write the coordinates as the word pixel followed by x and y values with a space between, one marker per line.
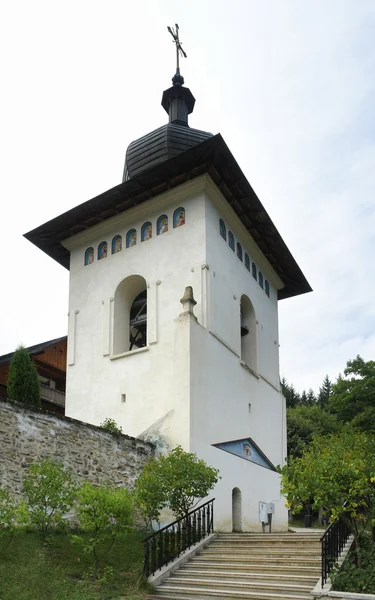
pixel 7 519
pixel 23 381
pixel 50 491
pixel 111 425
pixel 107 514
pixel 179 481
pixel 352 578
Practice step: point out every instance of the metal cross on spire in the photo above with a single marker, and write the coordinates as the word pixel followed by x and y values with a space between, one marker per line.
pixel 179 49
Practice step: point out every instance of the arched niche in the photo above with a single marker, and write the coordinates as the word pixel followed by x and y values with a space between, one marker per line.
pixel 130 315
pixel 249 351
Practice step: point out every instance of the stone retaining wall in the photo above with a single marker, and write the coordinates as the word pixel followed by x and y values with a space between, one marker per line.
pixel 93 454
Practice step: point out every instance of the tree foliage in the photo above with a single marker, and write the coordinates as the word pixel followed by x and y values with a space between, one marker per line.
pixel 177 481
pixel 23 381
pixel 50 491
pixel 111 425
pixel 107 514
pixel 353 396
pixel 325 392
pixel 337 472
pixel 11 518
pixel 305 422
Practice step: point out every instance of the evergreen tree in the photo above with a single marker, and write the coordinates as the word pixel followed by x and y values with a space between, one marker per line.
pixel 23 380
pixel 325 392
pixel 304 401
pixel 311 398
pixel 291 396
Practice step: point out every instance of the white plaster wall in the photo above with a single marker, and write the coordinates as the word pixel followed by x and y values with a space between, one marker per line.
pixel 222 389
pixel 189 383
pixel 155 380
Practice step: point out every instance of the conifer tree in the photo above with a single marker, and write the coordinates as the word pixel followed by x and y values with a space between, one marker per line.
pixel 325 392
pixel 23 380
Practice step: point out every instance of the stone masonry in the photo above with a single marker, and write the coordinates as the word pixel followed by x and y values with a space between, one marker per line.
pixel 93 454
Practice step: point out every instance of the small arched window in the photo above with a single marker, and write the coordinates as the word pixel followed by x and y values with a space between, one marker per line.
pixel 130 315
pixel 260 279
pixel 248 334
pixel 179 217
pixel 239 251
pixel 116 244
pixel 89 256
pixel 254 270
pixel 267 288
pixel 231 240
pixel 146 231
pixel 223 230
pixel 102 250
pixel 131 238
pixel 162 224
pixel 247 261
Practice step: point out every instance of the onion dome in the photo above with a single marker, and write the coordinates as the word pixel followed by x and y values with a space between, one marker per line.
pixel 169 140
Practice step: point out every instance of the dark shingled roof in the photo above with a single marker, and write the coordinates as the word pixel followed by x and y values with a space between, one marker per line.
pixel 160 145
pixel 33 350
pixel 211 156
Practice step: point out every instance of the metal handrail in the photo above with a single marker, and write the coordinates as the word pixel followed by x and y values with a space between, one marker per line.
pixel 166 544
pixel 333 541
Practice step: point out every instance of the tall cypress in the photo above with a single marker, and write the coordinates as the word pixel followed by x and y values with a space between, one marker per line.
pixel 23 381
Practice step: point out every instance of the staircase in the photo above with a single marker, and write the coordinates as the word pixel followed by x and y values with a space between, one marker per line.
pixel 249 566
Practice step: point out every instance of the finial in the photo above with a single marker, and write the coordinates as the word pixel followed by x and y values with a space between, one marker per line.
pixel 177 78
pixel 188 303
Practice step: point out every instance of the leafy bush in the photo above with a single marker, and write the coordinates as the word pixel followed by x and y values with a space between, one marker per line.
pixel 352 578
pixel 111 425
pixel 107 514
pixel 10 517
pixel 23 381
pixel 50 492
pixel 178 481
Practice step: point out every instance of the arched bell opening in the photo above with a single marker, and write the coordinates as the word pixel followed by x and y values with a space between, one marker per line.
pixel 236 510
pixel 130 315
pixel 249 352
pixel 138 321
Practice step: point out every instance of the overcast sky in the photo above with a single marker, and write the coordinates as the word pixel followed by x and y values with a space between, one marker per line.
pixel 288 83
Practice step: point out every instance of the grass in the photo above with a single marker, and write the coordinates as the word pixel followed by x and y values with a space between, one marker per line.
pixel 298 521
pixel 31 569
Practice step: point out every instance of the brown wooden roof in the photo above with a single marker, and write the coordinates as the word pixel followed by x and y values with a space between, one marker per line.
pixel 211 156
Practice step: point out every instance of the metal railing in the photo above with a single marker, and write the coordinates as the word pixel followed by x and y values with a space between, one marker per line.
pixel 163 546
pixel 333 541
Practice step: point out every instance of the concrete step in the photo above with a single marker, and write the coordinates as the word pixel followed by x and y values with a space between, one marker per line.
pixel 281 577
pixel 255 556
pixel 235 584
pixel 261 549
pixel 259 567
pixel 191 593
pixel 266 541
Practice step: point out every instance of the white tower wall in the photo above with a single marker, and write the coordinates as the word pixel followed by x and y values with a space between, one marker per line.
pixel 189 386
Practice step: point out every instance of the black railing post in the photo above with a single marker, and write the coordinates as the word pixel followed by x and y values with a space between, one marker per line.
pixel 333 542
pixel 147 558
pixel 153 555
pixel 169 542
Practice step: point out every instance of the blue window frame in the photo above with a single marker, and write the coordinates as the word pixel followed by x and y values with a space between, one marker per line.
pixel 247 261
pixel 254 270
pixel 223 230
pixel 231 240
pixel 239 251
pixel 260 279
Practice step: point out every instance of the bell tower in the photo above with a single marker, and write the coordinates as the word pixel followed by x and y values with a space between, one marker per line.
pixel 175 278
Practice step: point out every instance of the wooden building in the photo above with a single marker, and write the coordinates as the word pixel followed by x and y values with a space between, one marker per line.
pixel 50 361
